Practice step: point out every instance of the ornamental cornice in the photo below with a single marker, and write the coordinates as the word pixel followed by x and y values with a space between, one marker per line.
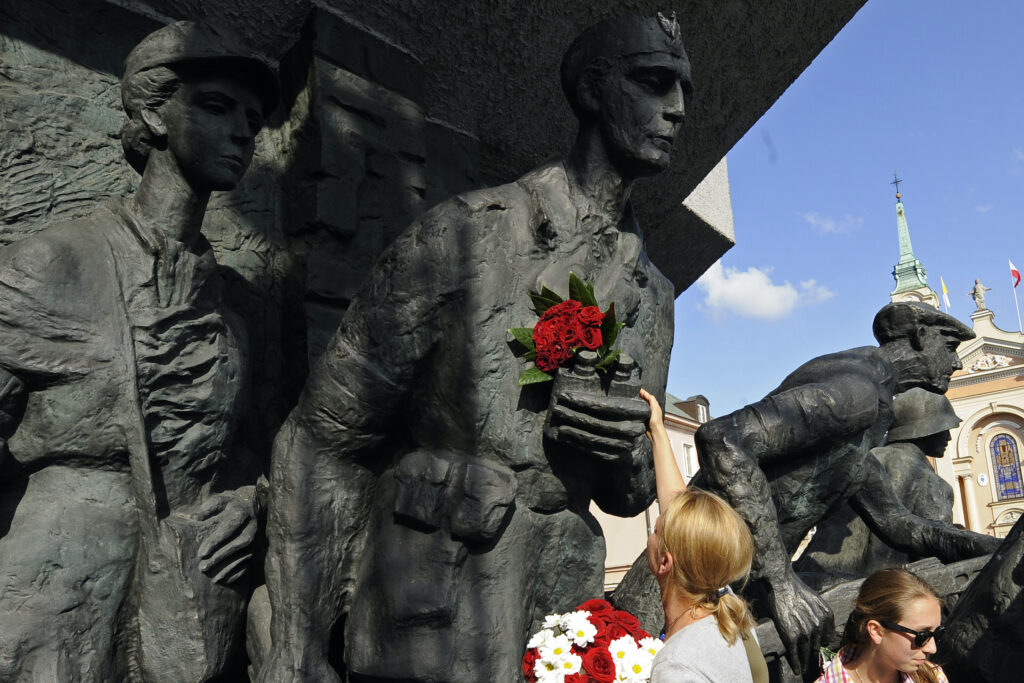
pixel 985 376
pixel 989 347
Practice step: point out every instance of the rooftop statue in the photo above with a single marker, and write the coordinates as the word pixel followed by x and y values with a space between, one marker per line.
pixel 785 461
pixel 978 294
pixel 126 512
pixel 419 495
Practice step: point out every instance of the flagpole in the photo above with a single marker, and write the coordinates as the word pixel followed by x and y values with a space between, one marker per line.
pixel 1015 279
pixel 1019 327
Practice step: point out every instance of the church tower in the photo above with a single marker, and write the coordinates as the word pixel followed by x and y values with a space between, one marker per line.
pixel 909 273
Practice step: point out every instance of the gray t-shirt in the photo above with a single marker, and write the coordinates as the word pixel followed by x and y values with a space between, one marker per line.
pixel 699 654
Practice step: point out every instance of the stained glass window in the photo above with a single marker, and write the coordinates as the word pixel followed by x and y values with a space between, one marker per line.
pixel 1006 466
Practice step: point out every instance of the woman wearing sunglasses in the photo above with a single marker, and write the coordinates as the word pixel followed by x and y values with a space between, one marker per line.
pixel 890 633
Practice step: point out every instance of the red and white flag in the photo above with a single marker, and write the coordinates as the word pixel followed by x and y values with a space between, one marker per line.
pixel 1014 273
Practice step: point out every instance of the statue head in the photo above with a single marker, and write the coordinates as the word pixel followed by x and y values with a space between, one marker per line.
pixel 629 77
pixel 921 343
pixel 195 89
pixel 925 417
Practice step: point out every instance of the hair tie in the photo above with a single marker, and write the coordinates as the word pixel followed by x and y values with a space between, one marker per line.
pixel 727 590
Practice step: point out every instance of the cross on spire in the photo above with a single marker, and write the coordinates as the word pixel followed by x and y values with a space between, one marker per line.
pixel 896 181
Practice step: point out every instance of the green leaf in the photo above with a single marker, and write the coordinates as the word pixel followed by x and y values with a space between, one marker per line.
pixel 534 376
pixel 530 355
pixel 580 291
pixel 607 362
pixel 549 294
pixel 615 332
pixel 609 329
pixel 542 303
pixel 523 335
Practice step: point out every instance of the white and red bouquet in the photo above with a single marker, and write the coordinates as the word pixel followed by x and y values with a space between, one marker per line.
pixel 595 643
pixel 565 327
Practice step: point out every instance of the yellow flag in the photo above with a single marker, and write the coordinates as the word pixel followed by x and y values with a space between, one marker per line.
pixel 945 292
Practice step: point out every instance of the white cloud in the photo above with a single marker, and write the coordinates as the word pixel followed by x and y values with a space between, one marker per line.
pixel 752 294
pixel 983 209
pixel 828 225
pixel 1018 154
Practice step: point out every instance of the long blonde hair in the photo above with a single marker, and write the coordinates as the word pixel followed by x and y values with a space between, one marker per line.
pixel 885 596
pixel 711 548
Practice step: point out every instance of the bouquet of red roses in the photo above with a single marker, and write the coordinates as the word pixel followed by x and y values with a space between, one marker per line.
pixel 565 327
pixel 594 643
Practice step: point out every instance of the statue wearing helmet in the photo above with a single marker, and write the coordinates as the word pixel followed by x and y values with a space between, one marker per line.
pixel 843 545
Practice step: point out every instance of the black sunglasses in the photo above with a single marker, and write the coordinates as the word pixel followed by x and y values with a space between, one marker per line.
pixel 920 637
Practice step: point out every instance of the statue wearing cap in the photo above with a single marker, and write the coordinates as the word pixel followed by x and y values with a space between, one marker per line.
pixel 786 461
pixel 417 496
pixel 844 546
pixel 126 509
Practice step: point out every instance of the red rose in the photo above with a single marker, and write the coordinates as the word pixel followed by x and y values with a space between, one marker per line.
pixel 545 334
pixel 591 315
pixel 602 639
pixel 570 335
pixel 626 621
pixel 576 678
pixel 567 307
pixel 528 660
pixel 545 362
pixel 599 664
pixel 613 631
pixel 596 606
pixel 590 337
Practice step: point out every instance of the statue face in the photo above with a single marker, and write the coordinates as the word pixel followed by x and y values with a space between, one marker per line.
pixel 931 366
pixel 211 125
pixel 642 109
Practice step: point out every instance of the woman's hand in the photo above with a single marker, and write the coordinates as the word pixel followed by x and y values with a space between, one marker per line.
pixel 666 471
pixel 656 422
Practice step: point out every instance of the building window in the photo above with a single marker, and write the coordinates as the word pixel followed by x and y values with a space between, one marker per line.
pixel 702 413
pixel 687 460
pixel 1006 466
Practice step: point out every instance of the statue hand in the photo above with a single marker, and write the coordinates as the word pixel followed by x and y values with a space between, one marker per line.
pixel 281 669
pixel 803 620
pixel 605 426
pixel 228 522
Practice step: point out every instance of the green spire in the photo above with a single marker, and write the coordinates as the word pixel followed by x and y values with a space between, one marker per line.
pixel 908 272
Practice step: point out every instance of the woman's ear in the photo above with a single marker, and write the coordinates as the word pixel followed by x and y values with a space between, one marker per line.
pixel 665 563
pixel 874 630
pixel 154 122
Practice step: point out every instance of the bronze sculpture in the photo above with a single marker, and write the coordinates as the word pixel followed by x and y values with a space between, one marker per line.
pixel 126 514
pixel 843 546
pixel 414 493
pixel 785 461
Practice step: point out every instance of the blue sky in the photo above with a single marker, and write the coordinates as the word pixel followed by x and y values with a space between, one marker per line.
pixel 933 90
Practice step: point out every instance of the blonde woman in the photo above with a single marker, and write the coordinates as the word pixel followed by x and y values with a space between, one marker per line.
pixel 699 547
pixel 890 633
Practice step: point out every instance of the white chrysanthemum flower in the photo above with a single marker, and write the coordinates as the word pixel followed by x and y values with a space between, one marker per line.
pixel 622 650
pixel 578 628
pixel 551 621
pixel 650 646
pixel 547 671
pixel 571 665
pixel 555 650
pixel 637 667
pixel 540 637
